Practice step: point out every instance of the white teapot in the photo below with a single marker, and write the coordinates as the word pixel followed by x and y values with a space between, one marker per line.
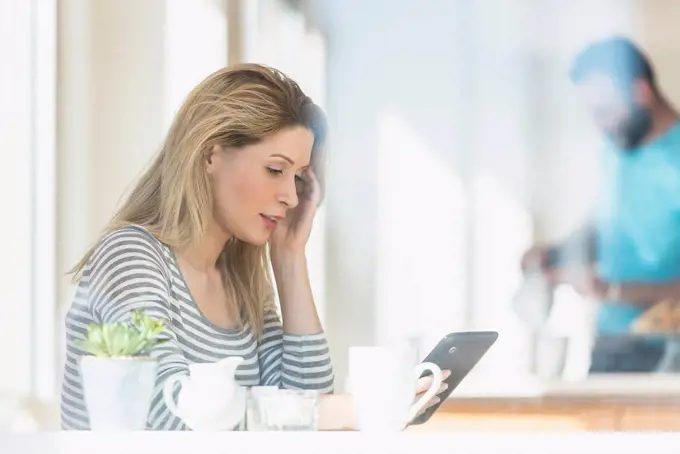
pixel 210 398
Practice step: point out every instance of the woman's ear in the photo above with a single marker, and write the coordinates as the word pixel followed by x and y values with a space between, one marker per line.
pixel 210 158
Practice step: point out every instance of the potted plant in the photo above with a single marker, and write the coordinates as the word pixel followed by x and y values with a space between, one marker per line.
pixel 118 375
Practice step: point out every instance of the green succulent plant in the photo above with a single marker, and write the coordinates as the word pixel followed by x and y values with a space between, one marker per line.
pixel 123 339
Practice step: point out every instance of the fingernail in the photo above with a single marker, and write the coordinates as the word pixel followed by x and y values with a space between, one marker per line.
pixel 446 374
pixel 442 388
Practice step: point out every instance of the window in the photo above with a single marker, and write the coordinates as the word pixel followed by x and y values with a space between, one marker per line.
pixel 28 193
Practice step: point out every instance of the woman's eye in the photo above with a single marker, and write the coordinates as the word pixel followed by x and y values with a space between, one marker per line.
pixel 274 171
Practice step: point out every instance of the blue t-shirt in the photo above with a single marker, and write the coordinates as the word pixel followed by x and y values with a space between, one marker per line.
pixel 638 222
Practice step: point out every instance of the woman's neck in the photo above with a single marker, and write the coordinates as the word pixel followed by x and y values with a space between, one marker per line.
pixel 202 256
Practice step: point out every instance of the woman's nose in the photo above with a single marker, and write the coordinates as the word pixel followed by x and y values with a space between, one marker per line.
pixel 288 193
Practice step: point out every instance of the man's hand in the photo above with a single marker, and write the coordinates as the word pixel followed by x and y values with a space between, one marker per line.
pixel 584 281
pixel 540 258
pixel 535 258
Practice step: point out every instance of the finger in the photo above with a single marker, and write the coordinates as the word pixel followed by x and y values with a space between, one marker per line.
pixel 533 258
pixel 443 387
pixel 554 275
pixel 424 384
pixel 430 403
pixel 309 198
pixel 313 183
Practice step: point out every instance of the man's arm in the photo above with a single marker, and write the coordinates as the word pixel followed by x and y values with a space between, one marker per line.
pixel 643 294
pixel 577 249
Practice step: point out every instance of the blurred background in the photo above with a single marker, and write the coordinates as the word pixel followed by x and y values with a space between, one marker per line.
pixel 457 141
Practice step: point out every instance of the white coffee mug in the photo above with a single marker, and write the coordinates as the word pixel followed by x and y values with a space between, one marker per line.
pixel 383 382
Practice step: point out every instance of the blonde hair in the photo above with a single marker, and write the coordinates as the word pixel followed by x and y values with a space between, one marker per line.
pixel 233 107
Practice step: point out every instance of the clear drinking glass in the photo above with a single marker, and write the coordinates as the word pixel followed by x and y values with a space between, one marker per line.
pixel 271 408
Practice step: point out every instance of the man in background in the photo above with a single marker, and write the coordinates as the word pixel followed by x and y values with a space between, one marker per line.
pixel 631 244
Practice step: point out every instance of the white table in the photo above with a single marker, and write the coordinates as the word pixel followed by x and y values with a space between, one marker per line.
pixel 332 443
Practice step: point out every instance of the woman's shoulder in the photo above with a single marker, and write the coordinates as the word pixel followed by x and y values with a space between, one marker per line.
pixel 125 263
pixel 130 240
pixel 133 232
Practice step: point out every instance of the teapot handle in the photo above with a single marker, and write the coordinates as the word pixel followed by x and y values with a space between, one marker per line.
pixel 168 388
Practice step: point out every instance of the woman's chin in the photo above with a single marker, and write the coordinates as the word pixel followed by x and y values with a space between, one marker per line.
pixel 254 240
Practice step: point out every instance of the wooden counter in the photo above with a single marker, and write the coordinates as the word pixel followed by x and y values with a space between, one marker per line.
pixel 594 409
pixel 556 414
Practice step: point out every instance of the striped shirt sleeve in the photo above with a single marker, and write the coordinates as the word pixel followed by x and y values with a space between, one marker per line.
pixel 294 361
pixel 126 274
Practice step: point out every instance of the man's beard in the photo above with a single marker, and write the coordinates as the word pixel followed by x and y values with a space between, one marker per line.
pixel 631 133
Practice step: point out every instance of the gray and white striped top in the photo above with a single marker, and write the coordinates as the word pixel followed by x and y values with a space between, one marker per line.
pixel 131 269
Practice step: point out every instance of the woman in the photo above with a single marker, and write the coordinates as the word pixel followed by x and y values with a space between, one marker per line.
pixel 239 170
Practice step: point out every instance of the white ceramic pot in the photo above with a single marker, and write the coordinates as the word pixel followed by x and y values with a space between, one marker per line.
pixel 118 391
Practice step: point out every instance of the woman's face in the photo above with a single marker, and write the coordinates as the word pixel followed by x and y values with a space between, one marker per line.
pixel 253 187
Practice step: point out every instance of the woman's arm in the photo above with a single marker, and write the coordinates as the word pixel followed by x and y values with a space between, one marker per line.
pixel 294 354
pixel 126 274
pixel 336 412
pixel 295 294
pixel 294 361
